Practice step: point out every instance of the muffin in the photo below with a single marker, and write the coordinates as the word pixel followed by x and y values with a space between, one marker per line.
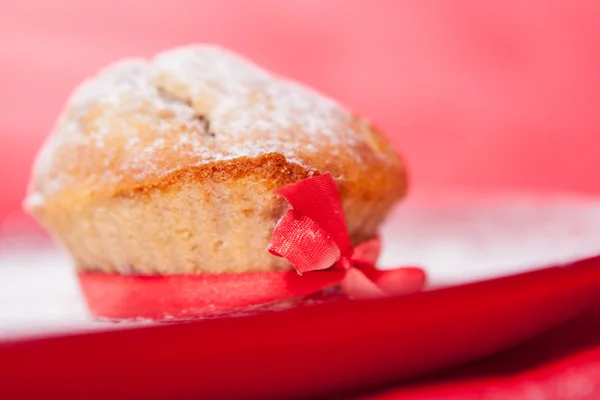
pixel 169 166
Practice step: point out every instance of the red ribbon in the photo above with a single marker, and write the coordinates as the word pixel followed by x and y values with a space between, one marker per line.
pixel 313 236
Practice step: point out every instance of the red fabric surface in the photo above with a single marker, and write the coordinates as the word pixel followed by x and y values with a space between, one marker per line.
pixel 318 198
pixel 117 296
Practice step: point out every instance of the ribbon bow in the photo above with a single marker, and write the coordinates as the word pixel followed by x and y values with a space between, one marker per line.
pixel 313 236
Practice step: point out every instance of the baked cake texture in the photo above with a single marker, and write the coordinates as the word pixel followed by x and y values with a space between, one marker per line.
pixel 169 165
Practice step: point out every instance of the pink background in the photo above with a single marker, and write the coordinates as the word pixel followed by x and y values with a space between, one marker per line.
pixel 476 93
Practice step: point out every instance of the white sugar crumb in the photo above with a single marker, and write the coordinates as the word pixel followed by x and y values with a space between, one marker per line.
pixel 251 99
pixel 192 104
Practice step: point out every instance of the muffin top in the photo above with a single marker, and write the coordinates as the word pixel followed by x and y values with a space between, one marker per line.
pixel 139 122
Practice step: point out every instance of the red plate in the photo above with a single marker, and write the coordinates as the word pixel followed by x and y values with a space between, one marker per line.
pixel 308 351
pixel 563 364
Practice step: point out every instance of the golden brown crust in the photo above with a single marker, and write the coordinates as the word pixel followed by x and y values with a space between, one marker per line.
pixel 271 167
pixel 192 119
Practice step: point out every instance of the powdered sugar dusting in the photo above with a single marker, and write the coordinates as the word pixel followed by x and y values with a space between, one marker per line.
pixel 252 111
pixel 191 105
